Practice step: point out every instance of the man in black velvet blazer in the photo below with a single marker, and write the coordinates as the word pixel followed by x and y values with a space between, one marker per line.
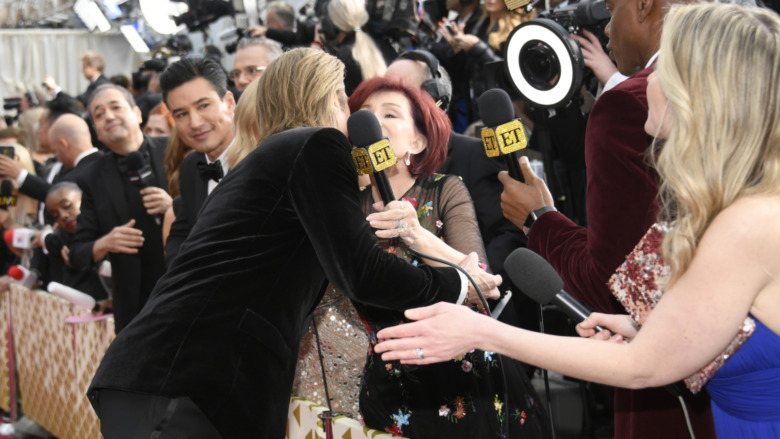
pixel 195 91
pixel 119 220
pixel 216 345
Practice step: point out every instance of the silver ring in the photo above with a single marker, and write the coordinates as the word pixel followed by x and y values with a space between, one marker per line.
pixel 420 355
pixel 402 227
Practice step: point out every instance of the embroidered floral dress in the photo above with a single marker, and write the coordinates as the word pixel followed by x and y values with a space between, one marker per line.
pixel 462 398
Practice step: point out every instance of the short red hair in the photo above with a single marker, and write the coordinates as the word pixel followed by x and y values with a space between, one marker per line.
pixel 429 119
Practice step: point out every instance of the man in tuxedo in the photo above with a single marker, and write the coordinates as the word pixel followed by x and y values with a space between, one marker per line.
pixel 195 91
pixel 120 220
pixel 621 206
pixel 92 65
pixel 213 353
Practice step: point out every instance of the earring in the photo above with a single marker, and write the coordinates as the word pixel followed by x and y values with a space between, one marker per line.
pixel 408 160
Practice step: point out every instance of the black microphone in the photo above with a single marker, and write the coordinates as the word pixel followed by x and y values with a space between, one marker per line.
pixel 538 280
pixel 140 175
pixel 373 153
pixel 503 135
pixel 6 194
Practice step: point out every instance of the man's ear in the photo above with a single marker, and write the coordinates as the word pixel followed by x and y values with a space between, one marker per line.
pixel 230 101
pixel 645 9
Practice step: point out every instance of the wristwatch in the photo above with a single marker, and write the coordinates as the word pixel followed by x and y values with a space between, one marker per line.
pixel 531 218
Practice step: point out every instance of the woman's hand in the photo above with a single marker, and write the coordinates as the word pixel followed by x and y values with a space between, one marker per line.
pixel 487 283
pixel 442 332
pixel 622 327
pixel 398 220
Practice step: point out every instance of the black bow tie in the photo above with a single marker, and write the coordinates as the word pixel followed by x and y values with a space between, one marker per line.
pixel 211 171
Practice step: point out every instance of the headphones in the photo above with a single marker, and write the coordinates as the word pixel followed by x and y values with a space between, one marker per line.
pixel 435 87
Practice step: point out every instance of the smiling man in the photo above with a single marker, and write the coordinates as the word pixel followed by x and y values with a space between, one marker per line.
pixel 119 220
pixel 195 91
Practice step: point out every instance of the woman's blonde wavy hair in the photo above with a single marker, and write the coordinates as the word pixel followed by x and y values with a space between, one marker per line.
pixel 247 125
pixel 348 16
pixel 297 90
pixel 719 68
pixel 506 24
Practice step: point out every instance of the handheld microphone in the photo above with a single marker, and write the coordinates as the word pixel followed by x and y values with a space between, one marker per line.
pixel 140 175
pixel 373 153
pixel 503 135
pixel 74 296
pixel 6 194
pixel 538 280
pixel 20 237
pixel 23 276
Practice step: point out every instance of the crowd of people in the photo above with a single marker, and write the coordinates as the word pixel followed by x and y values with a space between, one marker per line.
pixel 249 261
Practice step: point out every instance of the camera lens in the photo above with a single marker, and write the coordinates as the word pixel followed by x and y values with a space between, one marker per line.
pixel 540 65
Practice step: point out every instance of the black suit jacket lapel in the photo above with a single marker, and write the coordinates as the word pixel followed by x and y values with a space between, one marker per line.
pixel 112 178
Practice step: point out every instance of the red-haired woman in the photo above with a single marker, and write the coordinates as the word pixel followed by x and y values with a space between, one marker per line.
pixel 462 398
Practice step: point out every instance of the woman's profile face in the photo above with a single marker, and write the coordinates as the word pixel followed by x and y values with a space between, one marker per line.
pixel 659 118
pixel 394 113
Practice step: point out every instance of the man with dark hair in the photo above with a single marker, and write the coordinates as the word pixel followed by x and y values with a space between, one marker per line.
pixel 195 91
pixel 120 220
pixel 621 207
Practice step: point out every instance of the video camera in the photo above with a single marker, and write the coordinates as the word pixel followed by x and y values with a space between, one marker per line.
pixel 543 63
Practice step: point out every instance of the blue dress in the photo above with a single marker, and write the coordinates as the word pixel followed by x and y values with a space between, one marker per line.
pixel 745 392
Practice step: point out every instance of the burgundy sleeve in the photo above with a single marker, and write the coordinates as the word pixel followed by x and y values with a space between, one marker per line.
pixel 621 200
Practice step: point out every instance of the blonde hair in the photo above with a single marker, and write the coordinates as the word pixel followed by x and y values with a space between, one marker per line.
pixel 349 16
pixel 247 125
pixel 507 23
pixel 719 68
pixel 94 59
pixel 28 122
pixel 297 90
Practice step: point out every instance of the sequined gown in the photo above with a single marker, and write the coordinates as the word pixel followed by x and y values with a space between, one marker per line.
pixel 743 381
pixel 463 398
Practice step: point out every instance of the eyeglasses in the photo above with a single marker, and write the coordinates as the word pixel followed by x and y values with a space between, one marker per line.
pixel 248 71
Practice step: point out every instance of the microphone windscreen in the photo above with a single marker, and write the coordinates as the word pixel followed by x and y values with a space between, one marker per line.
pixel 495 107
pixel 9 236
pixel 363 128
pixel 535 277
pixel 6 188
pixel 135 161
pixel 74 296
pixel 16 273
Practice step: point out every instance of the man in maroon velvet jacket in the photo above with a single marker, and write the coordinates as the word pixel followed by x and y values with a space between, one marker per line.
pixel 620 206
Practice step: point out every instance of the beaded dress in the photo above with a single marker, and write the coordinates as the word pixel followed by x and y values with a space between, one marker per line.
pixel 465 397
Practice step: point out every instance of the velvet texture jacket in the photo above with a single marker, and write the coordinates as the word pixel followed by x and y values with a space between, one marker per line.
pixel 224 323
pixel 621 206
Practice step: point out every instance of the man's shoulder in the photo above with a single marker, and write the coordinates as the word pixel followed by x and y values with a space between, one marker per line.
pixel 635 84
